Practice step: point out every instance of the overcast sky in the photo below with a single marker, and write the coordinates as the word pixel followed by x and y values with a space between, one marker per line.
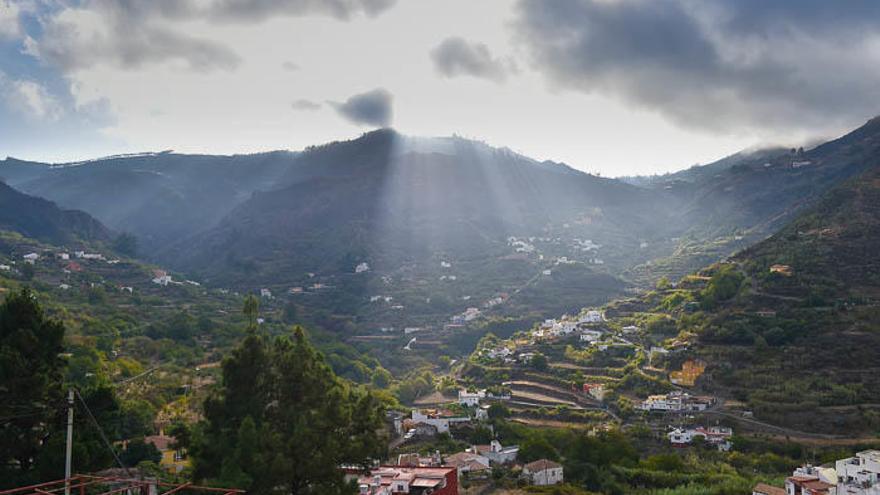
pixel 610 86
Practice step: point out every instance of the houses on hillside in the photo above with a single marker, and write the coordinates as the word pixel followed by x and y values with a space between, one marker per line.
pixel 406 480
pixel 857 475
pixel 676 401
pixel 438 419
pixel 716 436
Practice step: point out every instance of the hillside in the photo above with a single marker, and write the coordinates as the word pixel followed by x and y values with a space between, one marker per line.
pixel 43 220
pixel 789 327
pixel 389 200
pixel 742 199
pixel 160 198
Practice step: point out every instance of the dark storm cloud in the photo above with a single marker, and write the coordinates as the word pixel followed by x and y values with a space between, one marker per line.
pixel 370 108
pixel 714 64
pixel 456 56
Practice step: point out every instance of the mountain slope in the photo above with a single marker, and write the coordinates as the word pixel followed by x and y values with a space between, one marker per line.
pixel 389 201
pixel 158 197
pixel 743 199
pixel 43 220
pixel 789 327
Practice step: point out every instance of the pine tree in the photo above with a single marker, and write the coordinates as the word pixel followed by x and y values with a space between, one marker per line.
pixel 30 381
pixel 284 422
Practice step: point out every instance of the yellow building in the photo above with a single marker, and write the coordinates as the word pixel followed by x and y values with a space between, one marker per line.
pixel 173 460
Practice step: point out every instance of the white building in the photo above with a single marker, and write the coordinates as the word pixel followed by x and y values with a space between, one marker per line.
pixel 498 353
pixel 543 472
pixel 266 293
pixel 160 277
pixel 497 453
pixel 630 329
pixel 859 475
pixel 31 257
pixel 437 421
pixel 718 436
pixel 591 336
pixel 471 399
pixel 591 316
pixel 362 267
pixel 5 268
pixel 676 401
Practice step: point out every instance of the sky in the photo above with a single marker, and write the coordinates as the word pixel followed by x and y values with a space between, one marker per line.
pixel 615 87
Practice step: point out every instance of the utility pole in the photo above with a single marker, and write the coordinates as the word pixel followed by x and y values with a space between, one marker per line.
pixel 69 452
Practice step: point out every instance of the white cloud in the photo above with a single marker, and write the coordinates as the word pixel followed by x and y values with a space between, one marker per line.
pixel 30 99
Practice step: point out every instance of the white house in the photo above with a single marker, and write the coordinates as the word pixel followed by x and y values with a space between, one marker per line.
pixel 497 453
pixel 859 475
pixel 5 268
pixel 437 421
pixel 499 353
pixel 718 436
pixel 591 316
pixel 362 267
pixel 471 399
pixel 543 472
pixel 591 336
pixel 62 256
pixel 31 257
pixel 630 329
pixel 160 277
pixel 266 293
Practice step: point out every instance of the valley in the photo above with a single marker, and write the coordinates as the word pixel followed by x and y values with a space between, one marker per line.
pixel 609 308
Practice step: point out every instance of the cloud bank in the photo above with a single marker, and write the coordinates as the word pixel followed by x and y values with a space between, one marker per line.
pixel 714 64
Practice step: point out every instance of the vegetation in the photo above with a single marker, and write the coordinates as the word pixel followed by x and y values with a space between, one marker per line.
pixel 283 419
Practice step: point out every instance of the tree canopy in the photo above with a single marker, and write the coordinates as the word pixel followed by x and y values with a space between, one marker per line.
pixel 282 421
pixel 31 373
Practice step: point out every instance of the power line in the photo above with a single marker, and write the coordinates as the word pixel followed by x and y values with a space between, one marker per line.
pixel 101 432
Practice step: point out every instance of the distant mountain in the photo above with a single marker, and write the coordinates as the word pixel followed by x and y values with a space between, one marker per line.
pixel 160 197
pixel 390 200
pixel 391 194
pixel 43 220
pixel 745 198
